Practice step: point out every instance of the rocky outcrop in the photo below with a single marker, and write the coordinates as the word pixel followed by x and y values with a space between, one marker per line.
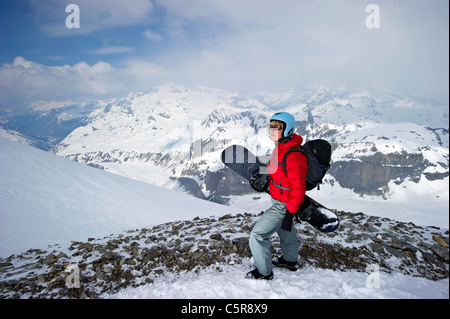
pixel 369 174
pixel 137 257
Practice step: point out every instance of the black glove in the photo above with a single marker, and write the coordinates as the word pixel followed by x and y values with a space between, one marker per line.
pixel 286 224
pixel 259 182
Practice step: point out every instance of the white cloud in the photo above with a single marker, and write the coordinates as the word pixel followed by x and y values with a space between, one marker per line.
pixel 148 34
pixel 144 71
pixel 271 45
pixel 28 81
pixel 33 80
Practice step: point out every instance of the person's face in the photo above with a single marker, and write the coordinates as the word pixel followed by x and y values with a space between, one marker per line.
pixel 275 130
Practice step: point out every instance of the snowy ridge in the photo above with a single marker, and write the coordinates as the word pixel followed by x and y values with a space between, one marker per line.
pixel 15 136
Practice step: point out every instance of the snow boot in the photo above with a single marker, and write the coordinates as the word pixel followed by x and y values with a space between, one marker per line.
pixel 280 262
pixel 255 274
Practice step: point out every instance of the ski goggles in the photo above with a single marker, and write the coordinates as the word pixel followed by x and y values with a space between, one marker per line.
pixel 274 126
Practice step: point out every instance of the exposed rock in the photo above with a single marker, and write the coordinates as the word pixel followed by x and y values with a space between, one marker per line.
pixel 49 259
pixel 369 174
pixel 440 251
pixel 440 241
pixel 135 257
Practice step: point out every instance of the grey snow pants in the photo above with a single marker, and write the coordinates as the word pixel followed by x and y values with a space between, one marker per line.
pixel 267 225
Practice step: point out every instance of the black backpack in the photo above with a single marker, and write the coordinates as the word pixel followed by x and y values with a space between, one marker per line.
pixel 318 153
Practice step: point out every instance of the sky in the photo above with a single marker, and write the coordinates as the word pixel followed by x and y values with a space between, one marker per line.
pixel 244 46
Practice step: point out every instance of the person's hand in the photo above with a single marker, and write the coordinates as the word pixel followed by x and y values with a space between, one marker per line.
pixel 286 223
pixel 259 182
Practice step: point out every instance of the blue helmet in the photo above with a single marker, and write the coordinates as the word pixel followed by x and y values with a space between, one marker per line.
pixel 287 119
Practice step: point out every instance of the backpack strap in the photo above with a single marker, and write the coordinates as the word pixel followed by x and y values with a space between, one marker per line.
pixel 289 151
pixel 280 186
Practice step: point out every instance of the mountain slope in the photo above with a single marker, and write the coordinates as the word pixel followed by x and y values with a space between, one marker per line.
pixel 47 199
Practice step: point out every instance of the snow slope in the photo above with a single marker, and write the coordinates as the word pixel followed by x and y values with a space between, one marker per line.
pixel 306 283
pixel 46 199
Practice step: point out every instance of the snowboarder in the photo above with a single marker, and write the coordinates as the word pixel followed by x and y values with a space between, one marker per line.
pixel 287 191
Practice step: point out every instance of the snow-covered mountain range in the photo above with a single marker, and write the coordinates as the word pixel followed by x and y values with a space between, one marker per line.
pixel 387 147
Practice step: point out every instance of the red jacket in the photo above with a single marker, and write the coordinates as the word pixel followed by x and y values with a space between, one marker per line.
pixel 294 182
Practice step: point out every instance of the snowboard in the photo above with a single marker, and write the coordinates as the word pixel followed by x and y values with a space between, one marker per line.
pixel 245 163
